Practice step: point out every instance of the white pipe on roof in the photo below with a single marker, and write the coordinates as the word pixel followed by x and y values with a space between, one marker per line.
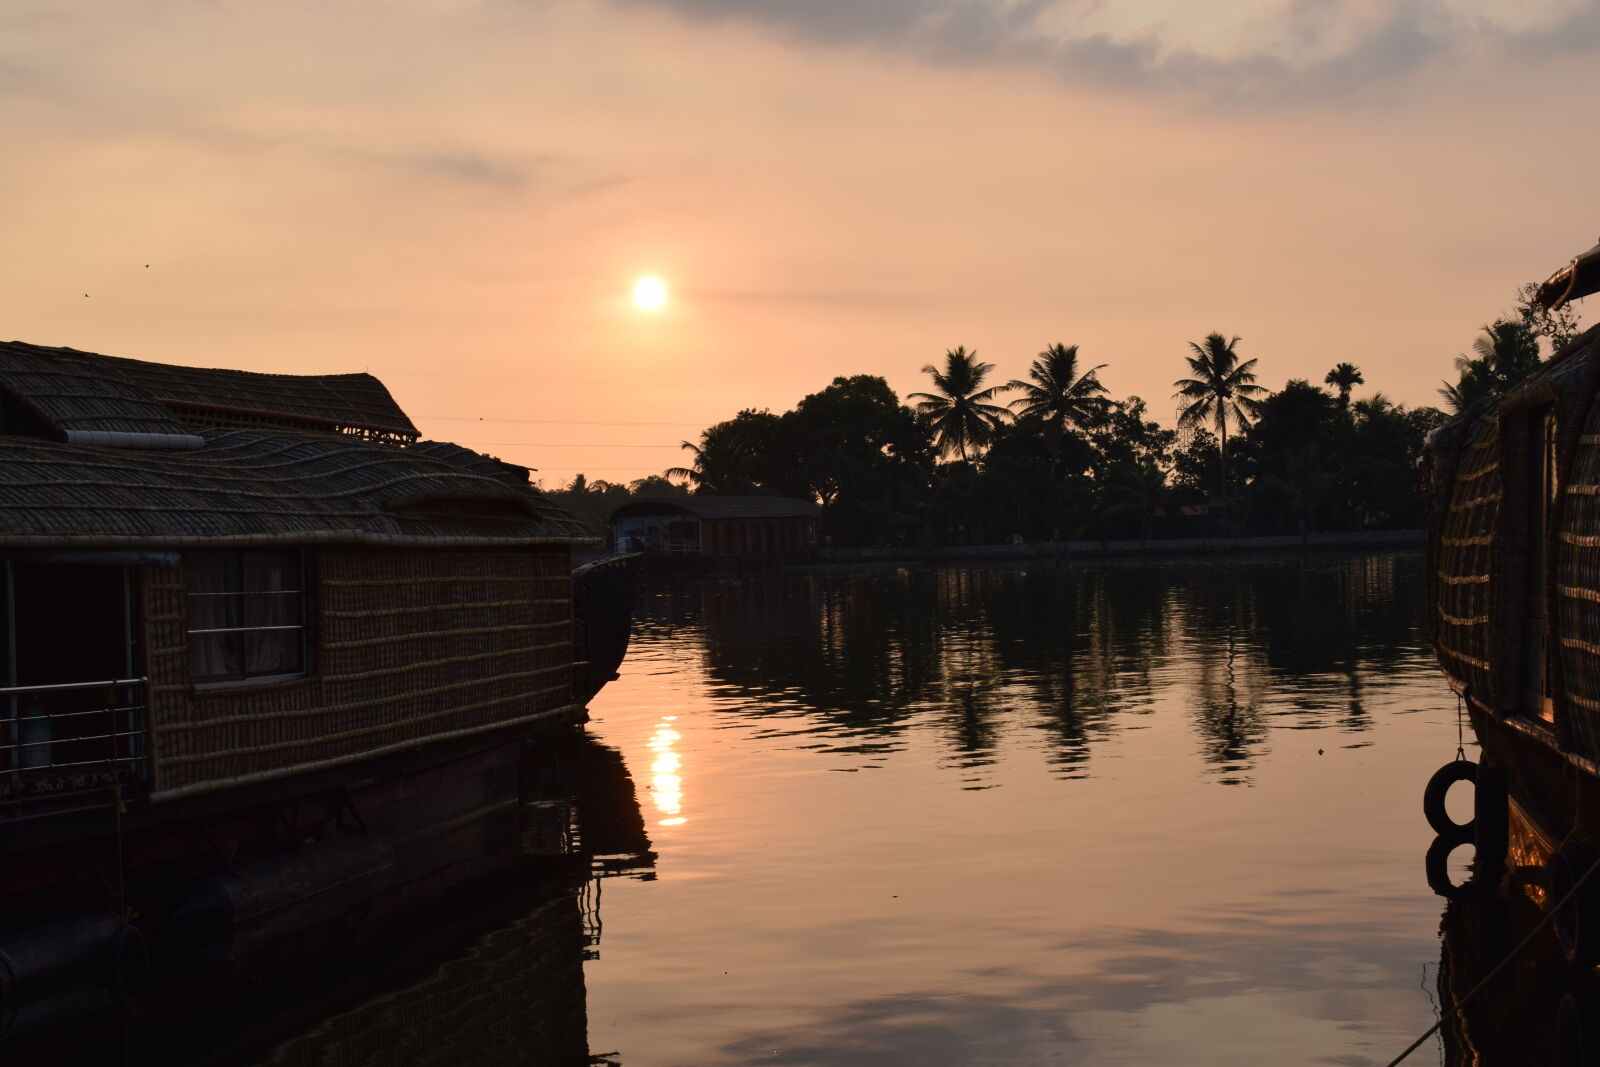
pixel 152 442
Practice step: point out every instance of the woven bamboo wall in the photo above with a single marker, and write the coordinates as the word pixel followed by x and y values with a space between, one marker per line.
pixel 1577 607
pixel 408 646
pixel 1465 589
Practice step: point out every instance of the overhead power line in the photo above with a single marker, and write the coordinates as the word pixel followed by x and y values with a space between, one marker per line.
pixel 537 444
pixel 516 378
pixel 548 422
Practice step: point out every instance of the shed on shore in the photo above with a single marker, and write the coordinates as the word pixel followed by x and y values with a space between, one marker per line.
pixel 716 525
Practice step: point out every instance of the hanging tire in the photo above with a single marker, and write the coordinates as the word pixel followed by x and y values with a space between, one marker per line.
pixel 1577 920
pixel 1437 866
pixel 1433 808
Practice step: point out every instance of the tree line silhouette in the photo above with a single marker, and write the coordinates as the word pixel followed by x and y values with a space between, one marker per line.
pixel 962 464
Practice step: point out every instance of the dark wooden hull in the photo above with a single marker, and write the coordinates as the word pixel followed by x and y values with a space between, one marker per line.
pixel 602 615
pixel 1555 790
pixel 234 894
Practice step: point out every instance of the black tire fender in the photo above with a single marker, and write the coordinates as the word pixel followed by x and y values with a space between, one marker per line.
pixel 1433 808
pixel 1437 866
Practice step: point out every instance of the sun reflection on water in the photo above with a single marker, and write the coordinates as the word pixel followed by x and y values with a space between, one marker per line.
pixel 666 782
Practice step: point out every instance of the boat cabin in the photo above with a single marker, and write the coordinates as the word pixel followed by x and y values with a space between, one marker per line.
pixel 1514 501
pixel 211 578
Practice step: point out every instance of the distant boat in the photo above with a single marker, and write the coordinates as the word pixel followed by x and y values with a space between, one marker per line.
pixel 1514 571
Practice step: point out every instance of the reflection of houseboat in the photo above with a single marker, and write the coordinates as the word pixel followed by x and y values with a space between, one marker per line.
pixel 260 641
pixel 1538 1011
pixel 1515 587
pixel 482 971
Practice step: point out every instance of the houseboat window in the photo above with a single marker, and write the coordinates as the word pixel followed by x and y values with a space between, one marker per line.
pixel 247 615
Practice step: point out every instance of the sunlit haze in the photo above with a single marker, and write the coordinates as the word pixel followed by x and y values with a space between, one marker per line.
pixel 456 195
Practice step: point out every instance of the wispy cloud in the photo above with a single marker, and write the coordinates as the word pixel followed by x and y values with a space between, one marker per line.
pixel 475 167
pixel 861 298
pixel 1248 51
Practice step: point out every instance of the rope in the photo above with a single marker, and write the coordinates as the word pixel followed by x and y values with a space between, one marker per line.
pixel 1549 916
pixel 1461 743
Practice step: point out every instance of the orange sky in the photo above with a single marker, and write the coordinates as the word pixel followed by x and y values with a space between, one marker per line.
pixel 457 195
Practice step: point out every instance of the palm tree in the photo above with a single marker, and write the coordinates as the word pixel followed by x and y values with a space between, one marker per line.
pixel 1221 390
pixel 960 413
pixel 1344 377
pixel 1376 406
pixel 722 461
pixel 1508 350
pixel 1058 393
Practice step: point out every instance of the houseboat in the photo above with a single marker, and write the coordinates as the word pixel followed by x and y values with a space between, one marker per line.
pixel 716 529
pixel 1514 571
pixel 266 652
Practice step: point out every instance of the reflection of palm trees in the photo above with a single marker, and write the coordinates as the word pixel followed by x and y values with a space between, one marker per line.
pixel 865 662
pixel 1356 719
pixel 1229 721
pixel 960 413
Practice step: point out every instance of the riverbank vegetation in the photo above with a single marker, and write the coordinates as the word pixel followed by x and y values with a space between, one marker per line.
pixel 1052 454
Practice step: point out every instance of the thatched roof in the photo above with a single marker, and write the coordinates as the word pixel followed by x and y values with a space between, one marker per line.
pixel 82 390
pixel 720 507
pixel 76 391
pixel 247 487
pixel 476 462
pixel 101 451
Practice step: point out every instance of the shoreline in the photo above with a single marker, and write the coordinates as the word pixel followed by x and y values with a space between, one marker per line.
pixel 1057 551
pixel 1186 546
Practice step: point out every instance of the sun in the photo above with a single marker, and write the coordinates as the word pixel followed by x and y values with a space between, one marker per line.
pixel 649 293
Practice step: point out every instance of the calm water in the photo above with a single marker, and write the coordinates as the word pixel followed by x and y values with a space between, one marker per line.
pixel 1149 814
pixel 1161 813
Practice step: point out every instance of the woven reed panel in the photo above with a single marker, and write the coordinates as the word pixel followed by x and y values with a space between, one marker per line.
pixel 409 645
pixel 1464 622
pixel 1577 592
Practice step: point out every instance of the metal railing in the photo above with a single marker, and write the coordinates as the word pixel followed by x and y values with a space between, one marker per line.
pixel 72 736
pixel 659 546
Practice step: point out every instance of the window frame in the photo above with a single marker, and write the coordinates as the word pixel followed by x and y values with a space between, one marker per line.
pixel 300 566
